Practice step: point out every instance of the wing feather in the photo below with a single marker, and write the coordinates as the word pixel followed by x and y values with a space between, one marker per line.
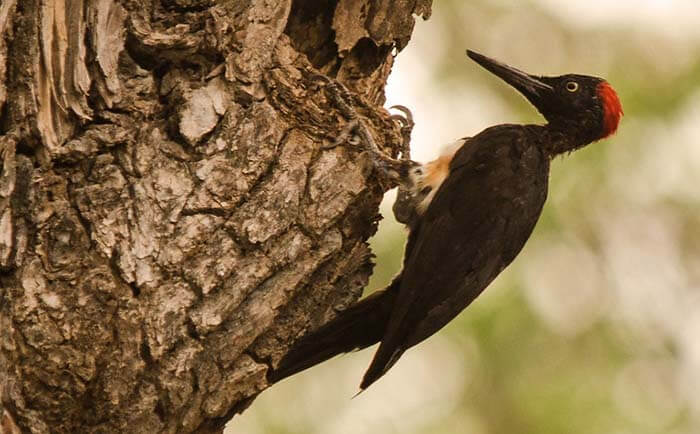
pixel 477 222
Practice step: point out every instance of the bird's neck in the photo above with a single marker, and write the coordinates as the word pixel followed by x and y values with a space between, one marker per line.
pixel 558 139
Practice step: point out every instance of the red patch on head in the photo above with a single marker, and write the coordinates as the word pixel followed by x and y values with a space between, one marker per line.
pixel 612 108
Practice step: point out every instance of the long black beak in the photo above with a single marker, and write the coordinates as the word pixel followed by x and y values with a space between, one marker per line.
pixel 529 85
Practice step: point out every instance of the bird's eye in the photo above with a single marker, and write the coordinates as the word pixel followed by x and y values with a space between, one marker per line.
pixel 572 86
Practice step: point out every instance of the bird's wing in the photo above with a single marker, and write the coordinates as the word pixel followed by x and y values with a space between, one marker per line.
pixel 476 224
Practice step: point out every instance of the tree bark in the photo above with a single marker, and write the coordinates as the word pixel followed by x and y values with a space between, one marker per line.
pixel 169 221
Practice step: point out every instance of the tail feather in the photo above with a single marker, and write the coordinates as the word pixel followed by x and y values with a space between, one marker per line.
pixel 379 367
pixel 357 327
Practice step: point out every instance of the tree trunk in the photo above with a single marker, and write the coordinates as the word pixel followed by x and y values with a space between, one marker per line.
pixel 169 223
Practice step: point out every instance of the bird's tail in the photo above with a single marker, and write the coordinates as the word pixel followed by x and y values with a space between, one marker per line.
pixel 357 327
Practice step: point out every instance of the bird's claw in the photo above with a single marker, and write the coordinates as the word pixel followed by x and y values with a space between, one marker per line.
pixel 407 125
pixel 406 119
pixel 356 132
pixel 346 136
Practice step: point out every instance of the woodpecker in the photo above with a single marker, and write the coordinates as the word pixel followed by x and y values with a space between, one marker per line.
pixel 469 214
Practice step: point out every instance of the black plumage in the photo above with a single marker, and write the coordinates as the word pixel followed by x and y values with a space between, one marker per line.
pixel 484 210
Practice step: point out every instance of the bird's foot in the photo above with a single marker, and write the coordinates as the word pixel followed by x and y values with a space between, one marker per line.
pixel 405 207
pixel 356 132
pixel 407 124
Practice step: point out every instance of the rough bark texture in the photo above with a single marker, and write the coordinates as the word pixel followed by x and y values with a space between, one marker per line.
pixel 169 223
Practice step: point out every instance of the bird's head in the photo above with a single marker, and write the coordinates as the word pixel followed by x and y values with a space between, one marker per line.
pixel 587 108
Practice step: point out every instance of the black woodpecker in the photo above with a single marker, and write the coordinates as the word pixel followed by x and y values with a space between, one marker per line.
pixel 469 213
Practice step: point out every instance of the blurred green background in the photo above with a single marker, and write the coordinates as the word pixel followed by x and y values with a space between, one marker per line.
pixel 595 328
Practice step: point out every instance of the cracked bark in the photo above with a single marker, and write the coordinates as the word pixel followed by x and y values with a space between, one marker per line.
pixel 169 223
